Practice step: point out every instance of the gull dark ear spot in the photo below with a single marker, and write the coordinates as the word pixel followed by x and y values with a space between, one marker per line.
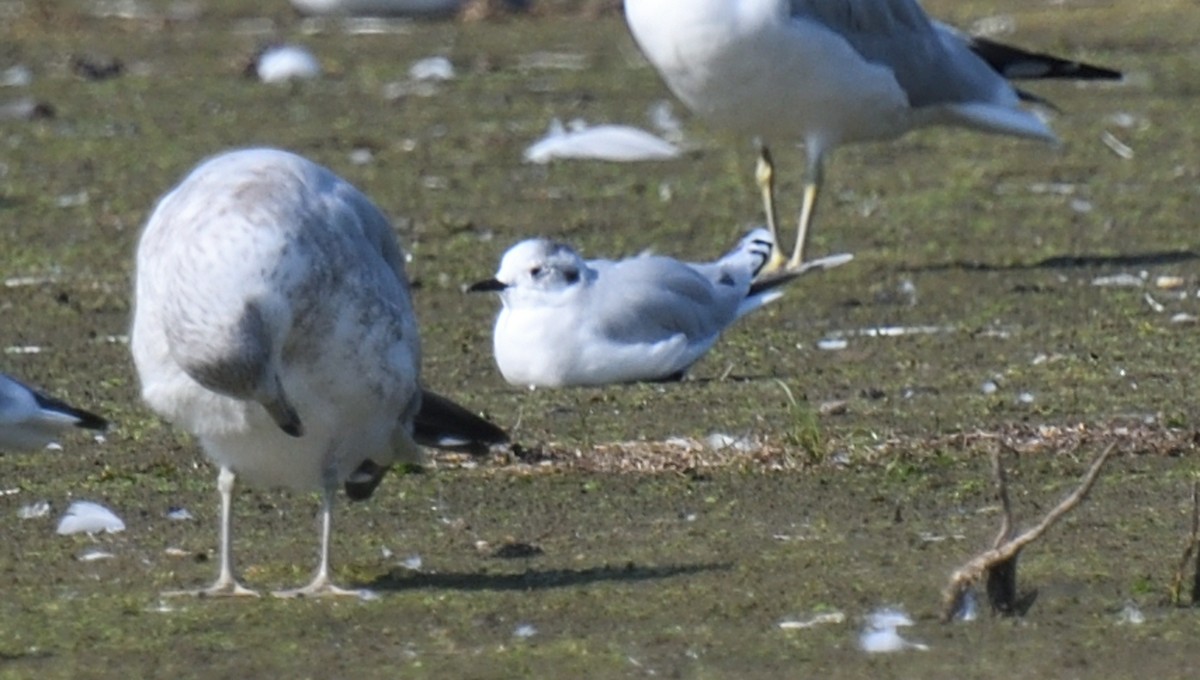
pixel 571 275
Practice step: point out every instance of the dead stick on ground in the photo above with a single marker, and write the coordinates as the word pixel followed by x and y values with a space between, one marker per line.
pixel 1006 522
pixel 971 572
pixel 1193 546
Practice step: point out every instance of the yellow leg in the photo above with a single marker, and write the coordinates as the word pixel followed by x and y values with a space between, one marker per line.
pixel 764 176
pixel 812 184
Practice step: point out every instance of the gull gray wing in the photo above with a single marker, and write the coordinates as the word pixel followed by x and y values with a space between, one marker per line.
pixel 932 67
pixel 651 298
pixel 1015 63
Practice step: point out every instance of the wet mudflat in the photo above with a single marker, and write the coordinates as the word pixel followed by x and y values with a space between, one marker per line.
pixel 1003 295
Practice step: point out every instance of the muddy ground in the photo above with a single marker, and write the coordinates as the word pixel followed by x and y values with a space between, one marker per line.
pixel 859 477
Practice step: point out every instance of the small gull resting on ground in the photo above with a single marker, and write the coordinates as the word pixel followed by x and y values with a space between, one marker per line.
pixel 567 321
pixel 834 72
pixel 273 321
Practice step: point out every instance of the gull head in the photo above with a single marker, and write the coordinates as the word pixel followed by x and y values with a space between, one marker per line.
pixel 537 268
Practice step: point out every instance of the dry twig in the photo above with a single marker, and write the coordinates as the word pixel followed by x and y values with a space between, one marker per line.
pixel 1193 547
pixel 999 563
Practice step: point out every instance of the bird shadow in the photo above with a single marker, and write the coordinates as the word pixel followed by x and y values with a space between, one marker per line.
pixel 1163 257
pixel 535 579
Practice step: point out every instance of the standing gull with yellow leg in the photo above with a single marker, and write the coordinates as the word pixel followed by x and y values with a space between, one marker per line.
pixel 834 72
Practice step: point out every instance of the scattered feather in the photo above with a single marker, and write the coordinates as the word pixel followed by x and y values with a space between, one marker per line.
pixel 72 200
pixel 1119 281
pixel 886 640
pixel 90 518
pixel 525 630
pixel 879 632
pixel 832 344
pixel 813 621
pixel 432 68
pixel 892 331
pixel 23 349
pixel 1082 206
pixel 718 441
pixel 1131 615
pixel 34 510
pixel 1116 146
pixel 412 563
pixel 619 143
pixel 94 555
pixel 16 76
pixel 283 63
pixel 178 514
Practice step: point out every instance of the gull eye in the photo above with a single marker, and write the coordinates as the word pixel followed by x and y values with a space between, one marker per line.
pixel 535 272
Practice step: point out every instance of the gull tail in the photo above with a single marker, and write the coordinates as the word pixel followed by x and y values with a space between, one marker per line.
pixel 753 251
pixel 440 424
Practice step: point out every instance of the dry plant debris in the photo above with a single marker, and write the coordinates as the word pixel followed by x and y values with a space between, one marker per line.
pixel 1192 548
pixel 999 563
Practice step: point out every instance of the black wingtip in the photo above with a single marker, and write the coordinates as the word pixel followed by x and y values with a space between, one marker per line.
pixel 1015 63
pixel 90 421
pixel 443 424
pixel 83 419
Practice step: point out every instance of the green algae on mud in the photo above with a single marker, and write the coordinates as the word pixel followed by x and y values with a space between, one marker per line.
pixel 687 566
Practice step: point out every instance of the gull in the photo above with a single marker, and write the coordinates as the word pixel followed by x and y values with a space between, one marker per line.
pixel 566 321
pixel 272 320
pixel 834 72
pixel 30 419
